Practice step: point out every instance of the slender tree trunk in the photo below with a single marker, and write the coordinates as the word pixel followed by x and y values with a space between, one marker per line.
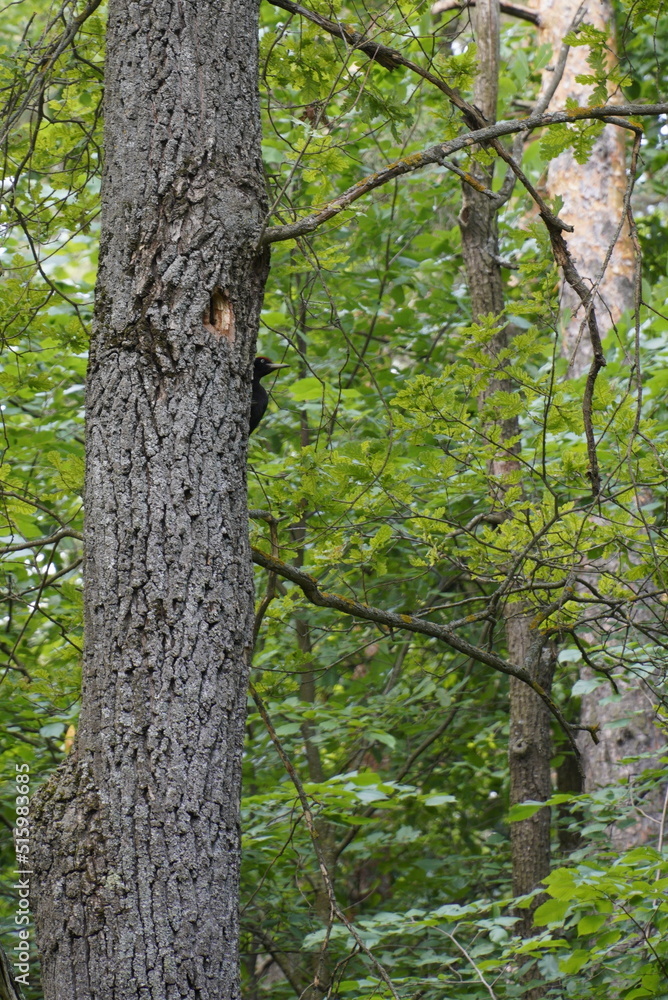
pixel 529 747
pixel 529 753
pixel 138 858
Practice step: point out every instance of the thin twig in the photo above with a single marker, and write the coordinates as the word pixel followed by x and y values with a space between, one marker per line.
pixel 471 962
pixel 573 277
pixel 544 101
pixel 39 80
pixel 335 909
pixel 469 178
pixel 37 543
pixel 541 106
pixel 405 768
pixel 387 57
pixel 32 502
pixel 511 9
pixel 662 827
pixel 271 582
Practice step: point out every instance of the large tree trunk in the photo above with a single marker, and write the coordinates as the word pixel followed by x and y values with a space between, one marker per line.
pixel 592 193
pixel 138 857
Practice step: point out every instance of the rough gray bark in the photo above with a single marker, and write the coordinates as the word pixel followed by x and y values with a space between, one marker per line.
pixel 138 855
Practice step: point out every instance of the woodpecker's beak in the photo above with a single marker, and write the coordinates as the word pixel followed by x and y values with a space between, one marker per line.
pixel 275 368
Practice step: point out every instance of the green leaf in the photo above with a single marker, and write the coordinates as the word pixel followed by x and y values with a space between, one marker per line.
pixel 591 923
pixel 306 389
pixel 552 912
pixel 574 962
pixel 438 800
pixel 524 810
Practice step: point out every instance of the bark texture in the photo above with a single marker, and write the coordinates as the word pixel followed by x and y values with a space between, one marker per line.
pixel 593 193
pixel 138 859
pixel 529 753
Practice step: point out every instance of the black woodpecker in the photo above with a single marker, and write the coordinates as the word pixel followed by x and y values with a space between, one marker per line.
pixel 259 398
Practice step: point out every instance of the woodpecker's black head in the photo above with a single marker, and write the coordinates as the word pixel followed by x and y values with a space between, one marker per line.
pixel 259 398
pixel 263 366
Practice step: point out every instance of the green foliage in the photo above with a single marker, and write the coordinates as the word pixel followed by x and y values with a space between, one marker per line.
pixel 381 438
pixel 597 57
pixel 580 137
pixel 613 915
pixel 48 260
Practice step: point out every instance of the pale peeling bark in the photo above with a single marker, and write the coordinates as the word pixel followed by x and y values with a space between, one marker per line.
pixel 138 857
pixel 593 202
pixel 593 194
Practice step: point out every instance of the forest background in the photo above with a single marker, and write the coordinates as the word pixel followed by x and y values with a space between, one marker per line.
pixel 458 468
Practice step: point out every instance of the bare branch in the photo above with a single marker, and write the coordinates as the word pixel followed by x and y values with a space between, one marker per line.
pixel 17 665
pixel 309 586
pixel 662 826
pixel 469 178
pixel 33 502
pixel 508 185
pixel 271 584
pixel 511 9
pixel 573 277
pixel 405 768
pixel 471 962
pixel 37 543
pixel 438 153
pixel 39 79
